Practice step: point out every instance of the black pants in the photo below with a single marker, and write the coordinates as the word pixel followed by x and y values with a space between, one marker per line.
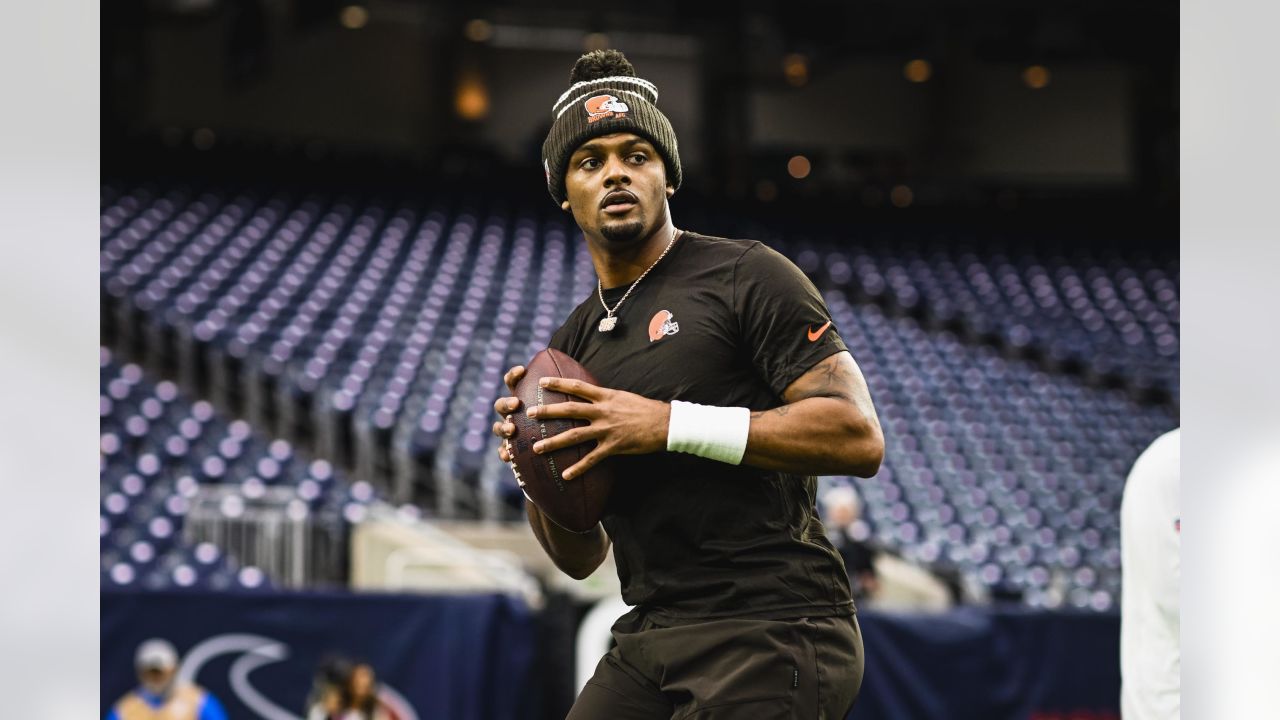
pixel 808 668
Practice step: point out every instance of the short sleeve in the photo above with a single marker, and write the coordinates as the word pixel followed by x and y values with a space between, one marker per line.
pixel 785 325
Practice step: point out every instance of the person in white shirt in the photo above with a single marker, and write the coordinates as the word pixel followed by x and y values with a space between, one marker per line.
pixel 1150 546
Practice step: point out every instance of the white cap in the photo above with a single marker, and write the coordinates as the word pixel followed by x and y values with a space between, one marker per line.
pixel 156 653
pixel 839 494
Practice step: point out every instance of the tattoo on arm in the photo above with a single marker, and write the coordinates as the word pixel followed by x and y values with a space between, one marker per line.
pixel 780 411
pixel 835 377
pixel 831 378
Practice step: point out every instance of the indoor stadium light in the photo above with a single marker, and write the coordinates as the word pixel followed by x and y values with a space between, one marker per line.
pixel 798 167
pixel 471 101
pixel 354 17
pixel 1036 76
pixel 478 30
pixel 203 138
pixel 901 196
pixel 766 191
pixel 918 70
pixel 796 69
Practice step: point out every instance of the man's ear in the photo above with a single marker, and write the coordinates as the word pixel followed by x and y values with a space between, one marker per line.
pixel 565 206
pixel 671 190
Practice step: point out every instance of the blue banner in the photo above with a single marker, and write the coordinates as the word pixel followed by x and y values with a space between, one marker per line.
pixel 463 657
pixel 980 664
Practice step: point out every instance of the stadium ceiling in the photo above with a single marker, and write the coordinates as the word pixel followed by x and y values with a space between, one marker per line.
pixel 993 30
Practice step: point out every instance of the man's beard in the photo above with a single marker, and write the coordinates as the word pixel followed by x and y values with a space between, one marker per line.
pixel 623 232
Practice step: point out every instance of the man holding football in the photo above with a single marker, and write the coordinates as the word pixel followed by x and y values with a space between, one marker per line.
pixel 723 389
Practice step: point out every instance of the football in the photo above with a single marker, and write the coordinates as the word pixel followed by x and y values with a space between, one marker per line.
pixel 574 505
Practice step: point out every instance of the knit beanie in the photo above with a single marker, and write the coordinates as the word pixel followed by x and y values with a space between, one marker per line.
pixel 604 97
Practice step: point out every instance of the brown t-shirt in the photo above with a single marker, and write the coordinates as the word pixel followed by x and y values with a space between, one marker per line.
pixel 729 323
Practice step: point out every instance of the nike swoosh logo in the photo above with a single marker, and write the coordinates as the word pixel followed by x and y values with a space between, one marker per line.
pixel 815 334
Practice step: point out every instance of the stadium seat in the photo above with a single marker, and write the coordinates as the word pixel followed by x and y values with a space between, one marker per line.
pixel 157 450
pixel 1016 381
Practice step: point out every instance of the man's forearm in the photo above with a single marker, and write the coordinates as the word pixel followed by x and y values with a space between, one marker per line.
pixel 827 426
pixel 576 554
pixel 815 436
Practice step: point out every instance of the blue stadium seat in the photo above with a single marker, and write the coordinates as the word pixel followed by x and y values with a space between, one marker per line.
pixel 1016 381
pixel 156 450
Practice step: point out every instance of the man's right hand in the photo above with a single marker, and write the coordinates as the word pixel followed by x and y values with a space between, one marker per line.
pixel 576 554
pixel 504 406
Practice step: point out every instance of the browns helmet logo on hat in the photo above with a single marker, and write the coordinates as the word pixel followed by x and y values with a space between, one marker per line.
pixel 600 107
pixel 662 325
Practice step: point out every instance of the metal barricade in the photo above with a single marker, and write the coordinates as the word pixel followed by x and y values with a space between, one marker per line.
pixel 295 544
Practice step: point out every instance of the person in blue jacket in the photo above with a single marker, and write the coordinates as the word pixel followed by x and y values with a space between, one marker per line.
pixel 158 693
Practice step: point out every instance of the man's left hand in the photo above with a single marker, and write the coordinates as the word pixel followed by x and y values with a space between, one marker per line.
pixel 621 423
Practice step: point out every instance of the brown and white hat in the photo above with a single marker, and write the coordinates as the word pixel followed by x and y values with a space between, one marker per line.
pixel 604 97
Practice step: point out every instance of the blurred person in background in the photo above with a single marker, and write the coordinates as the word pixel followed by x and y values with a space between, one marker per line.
pixel 842 511
pixel 362 696
pixel 346 690
pixel 159 695
pixel 1150 557
pixel 741 605
pixel 327 704
pixel 328 694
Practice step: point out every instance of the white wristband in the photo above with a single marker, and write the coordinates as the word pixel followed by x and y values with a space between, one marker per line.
pixel 715 433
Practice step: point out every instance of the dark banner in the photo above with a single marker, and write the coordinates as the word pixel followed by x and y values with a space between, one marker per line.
pixel 462 657
pixel 436 656
pixel 972 664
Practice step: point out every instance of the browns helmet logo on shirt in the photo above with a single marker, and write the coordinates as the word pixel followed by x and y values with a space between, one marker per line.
pixel 662 325
pixel 604 106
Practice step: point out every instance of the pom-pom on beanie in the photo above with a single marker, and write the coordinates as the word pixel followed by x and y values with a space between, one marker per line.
pixel 604 97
